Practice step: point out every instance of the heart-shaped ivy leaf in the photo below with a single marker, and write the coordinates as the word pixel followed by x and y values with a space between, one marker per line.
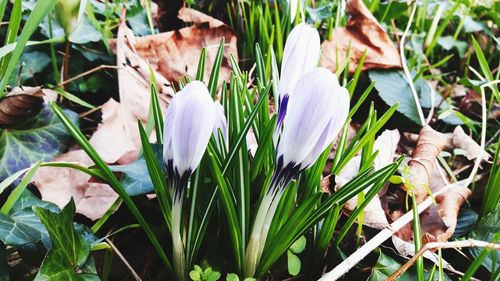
pixel 38 138
pixel 69 251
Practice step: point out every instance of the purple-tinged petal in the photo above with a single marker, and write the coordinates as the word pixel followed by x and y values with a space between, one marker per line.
pixel 192 126
pixel 301 55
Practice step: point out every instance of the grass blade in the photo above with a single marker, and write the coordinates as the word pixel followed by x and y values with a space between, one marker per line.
pixel 16 193
pixel 157 177
pixel 214 75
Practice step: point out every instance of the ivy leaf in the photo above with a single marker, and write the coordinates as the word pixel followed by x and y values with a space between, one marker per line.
pixel 135 177
pixel 485 230
pixel 386 266
pixel 85 33
pixel 69 251
pixel 29 64
pixel 22 228
pixel 448 43
pixel 392 87
pixel 38 138
pixel 467 218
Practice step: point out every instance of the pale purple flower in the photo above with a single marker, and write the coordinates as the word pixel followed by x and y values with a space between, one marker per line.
pixel 189 123
pixel 317 110
pixel 301 55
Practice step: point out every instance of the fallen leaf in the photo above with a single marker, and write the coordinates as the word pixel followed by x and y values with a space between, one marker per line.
pixel 19 104
pixel 361 33
pixel 176 53
pixel 116 135
pixel 134 78
pixel 423 161
pixel 40 137
pixel 59 185
pixel 463 141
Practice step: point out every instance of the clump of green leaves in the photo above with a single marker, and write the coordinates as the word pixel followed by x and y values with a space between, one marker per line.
pixel 207 274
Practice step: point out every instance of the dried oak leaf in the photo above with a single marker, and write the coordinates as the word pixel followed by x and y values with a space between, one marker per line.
pixel 19 104
pixel 461 140
pixel 176 53
pixel 361 33
pixel 134 78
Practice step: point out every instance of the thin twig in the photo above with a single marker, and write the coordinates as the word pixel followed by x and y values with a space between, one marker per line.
pixel 88 72
pixel 119 254
pixel 442 245
pixel 431 112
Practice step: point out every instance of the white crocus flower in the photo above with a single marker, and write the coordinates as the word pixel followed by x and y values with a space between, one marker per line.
pixel 317 109
pixel 317 112
pixel 190 121
pixel 301 55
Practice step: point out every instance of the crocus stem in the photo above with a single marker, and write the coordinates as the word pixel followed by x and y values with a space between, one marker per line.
pixel 252 255
pixel 178 245
pixel 260 229
pixel 269 219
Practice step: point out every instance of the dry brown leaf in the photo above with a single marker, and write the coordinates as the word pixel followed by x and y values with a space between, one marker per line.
pixel 113 143
pixel 176 53
pixel 19 104
pixel 463 141
pixel 134 78
pixel 361 33
pixel 438 222
pixel 116 139
pixel 58 185
pixel 422 164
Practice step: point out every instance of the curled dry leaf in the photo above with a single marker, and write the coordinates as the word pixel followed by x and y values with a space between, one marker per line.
pixel 422 164
pixel 19 104
pixel 361 33
pixel 459 139
pixel 439 221
pixel 134 78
